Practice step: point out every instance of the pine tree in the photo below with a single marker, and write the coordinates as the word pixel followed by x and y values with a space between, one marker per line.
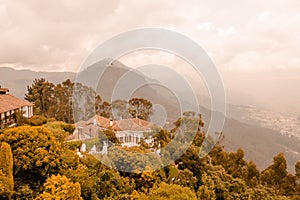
pixel 41 93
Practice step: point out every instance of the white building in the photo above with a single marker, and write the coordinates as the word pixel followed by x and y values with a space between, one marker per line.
pixel 128 131
pixel 9 104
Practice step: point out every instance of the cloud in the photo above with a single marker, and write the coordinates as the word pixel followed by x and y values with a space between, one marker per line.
pixel 59 35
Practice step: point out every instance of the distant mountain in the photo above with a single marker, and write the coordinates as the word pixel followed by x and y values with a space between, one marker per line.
pixel 260 143
pixel 18 80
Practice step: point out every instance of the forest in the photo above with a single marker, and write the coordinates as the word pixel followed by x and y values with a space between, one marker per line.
pixel 38 163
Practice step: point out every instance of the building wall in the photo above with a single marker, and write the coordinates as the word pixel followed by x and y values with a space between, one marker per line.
pixel 129 138
pixel 8 119
pixel 28 111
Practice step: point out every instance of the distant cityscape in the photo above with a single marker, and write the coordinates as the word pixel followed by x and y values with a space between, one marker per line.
pixel 286 123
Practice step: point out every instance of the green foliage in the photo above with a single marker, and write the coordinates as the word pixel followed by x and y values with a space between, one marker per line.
pixel 185 178
pixel 140 108
pixel 24 192
pixel 207 189
pixel 86 178
pixel 73 145
pixel 147 179
pixel 40 93
pixel 45 166
pixel 217 183
pixel 70 128
pixel 166 191
pixel 104 110
pixel 134 159
pixel 120 109
pixel 62 105
pixel 297 170
pixel 60 129
pixel 36 120
pixel 36 153
pixel 20 119
pixel 99 182
pixel 60 187
pixel 111 136
pixel 253 175
pixel 83 94
pixel 276 176
pixel 190 160
pixel 6 171
pixel 160 136
pixel 57 101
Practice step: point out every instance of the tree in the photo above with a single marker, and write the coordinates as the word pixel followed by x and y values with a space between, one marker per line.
pixel 207 189
pixel 188 127
pixel 160 136
pixel 105 109
pixel 276 172
pixel 140 108
pixel 236 165
pixel 83 102
pixel 41 94
pixel 98 101
pixel 297 170
pixel 60 187
pixel 86 178
pixel 190 160
pixel 297 176
pixel 224 185
pixel 62 109
pixel 165 191
pixel 111 184
pixel 185 178
pixel 276 176
pixel 280 167
pixel 6 171
pixel 37 153
pixel 110 135
pixel 252 177
pixel 120 109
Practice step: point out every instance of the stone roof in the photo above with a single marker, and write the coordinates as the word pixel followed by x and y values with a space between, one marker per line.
pixel 9 102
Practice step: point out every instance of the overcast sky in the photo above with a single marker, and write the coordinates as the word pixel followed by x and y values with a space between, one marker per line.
pixel 59 35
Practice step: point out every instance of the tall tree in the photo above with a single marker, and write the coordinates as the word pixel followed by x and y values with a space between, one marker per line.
pixel 120 109
pixel 41 94
pixel 105 110
pixel 297 176
pixel 140 108
pixel 297 170
pixel 62 108
pixel 277 176
pixel 98 101
pixel 252 175
pixel 83 102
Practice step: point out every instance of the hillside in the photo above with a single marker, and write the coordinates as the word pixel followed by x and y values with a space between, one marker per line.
pixel 259 142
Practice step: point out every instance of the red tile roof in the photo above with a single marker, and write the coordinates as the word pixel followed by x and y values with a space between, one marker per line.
pixel 9 102
pixel 133 124
pixel 102 121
